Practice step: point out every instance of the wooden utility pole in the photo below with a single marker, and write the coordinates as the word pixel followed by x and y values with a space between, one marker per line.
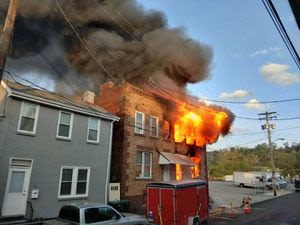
pixel 6 35
pixel 269 126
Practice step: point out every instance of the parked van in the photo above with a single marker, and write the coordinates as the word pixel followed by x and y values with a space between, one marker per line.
pixel 248 179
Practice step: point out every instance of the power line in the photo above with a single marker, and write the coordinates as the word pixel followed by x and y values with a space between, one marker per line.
pixel 33 84
pixel 239 102
pixel 280 28
pixel 208 109
pixel 84 44
pixel 115 51
pixel 253 141
pixel 245 102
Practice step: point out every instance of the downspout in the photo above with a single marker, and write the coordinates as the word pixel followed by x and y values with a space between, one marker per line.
pixel 108 163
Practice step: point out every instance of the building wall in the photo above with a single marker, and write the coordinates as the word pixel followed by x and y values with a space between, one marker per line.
pixel 127 142
pixel 49 154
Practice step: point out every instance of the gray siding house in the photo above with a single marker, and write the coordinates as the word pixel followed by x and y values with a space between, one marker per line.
pixel 53 151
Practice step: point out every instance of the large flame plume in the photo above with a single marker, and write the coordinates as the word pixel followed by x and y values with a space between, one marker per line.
pixel 201 125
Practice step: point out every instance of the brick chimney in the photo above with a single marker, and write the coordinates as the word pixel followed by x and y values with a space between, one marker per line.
pixel 89 97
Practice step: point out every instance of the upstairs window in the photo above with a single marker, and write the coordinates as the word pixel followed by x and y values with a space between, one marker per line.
pixel 28 118
pixel 139 123
pixel 93 130
pixel 74 181
pixel 65 124
pixel 143 164
pixel 154 126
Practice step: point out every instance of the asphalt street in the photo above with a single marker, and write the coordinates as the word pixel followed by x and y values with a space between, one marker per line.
pixel 282 210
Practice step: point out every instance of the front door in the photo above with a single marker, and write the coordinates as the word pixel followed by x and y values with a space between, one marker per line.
pixel 16 191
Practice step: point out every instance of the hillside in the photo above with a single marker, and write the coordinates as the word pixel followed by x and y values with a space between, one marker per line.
pixel 224 162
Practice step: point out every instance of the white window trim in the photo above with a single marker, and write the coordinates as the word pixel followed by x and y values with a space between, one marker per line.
pixel 143 165
pixel 136 129
pixel 98 130
pixel 35 118
pixel 71 125
pixel 156 125
pixel 74 182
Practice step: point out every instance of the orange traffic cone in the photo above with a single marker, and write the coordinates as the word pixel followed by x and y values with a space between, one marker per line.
pixel 247 208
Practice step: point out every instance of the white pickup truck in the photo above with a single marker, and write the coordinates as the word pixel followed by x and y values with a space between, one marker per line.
pixel 94 214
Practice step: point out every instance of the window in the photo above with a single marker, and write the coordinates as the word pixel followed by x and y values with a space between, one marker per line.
pixel 167 130
pixel 143 164
pixel 154 126
pixel 94 215
pixel 65 124
pixel 74 182
pixel 28 118
pixel 139 123
pixel 93 130
pixel 69 213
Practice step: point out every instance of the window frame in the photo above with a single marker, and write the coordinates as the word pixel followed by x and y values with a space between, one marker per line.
pixel 75 170
pixel 36 116
pixel 156 126
pixel 71 125
pixel 98 130
pixel 136 128
pixel 143 164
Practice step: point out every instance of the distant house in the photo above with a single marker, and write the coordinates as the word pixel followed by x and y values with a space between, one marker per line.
pixel 53 150
pixel 144 148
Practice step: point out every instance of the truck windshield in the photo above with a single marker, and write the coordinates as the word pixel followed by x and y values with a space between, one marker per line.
pixel 69 213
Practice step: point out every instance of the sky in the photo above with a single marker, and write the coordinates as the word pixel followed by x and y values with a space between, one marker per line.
pixel 251 63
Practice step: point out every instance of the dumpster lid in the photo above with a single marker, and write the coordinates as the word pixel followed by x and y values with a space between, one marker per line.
pixel 166 158
pixel 178 184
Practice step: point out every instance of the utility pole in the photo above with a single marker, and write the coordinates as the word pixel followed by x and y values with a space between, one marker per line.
pixel 269 126
pixel 6 35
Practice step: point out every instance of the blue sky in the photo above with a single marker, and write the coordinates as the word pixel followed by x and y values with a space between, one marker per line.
pixel 251 62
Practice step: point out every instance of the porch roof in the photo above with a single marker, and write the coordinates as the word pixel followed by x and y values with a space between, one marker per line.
pixel 166 158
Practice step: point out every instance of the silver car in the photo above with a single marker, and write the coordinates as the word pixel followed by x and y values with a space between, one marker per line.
pixel 95 214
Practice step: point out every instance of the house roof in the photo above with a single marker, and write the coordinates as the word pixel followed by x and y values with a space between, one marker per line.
pixel 51 99
pixel 166 158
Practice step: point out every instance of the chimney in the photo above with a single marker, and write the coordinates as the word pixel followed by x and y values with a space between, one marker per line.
pixel 89 97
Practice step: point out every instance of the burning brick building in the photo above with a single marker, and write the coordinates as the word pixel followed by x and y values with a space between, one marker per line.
pixel 157 139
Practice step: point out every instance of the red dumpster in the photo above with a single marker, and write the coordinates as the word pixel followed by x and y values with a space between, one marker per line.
pixel 177 202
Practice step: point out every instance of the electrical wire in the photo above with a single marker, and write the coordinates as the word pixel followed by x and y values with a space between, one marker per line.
pixel 115 51
pixel 238 102
pixel 240 117
pixel 84 44
pixel 280 28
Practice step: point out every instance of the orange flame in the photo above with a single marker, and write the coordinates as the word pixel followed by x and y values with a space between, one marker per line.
pixel 195 170
pixel 200 126
pixel 178 170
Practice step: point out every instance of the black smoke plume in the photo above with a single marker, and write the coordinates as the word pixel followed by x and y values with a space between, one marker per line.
pixel 131 43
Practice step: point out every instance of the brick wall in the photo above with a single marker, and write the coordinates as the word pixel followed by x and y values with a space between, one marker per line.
pixel 124 101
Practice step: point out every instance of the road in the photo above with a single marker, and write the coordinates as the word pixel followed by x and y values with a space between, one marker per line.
pixel 282 210
pixel 225 193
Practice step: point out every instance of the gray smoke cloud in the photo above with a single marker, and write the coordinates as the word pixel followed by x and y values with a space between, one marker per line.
pixel 131 43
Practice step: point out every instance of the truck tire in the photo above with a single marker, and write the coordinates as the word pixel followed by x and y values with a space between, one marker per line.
pixel 242 185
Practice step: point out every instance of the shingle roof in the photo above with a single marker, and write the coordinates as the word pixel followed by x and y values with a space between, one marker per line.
pixel 22 91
